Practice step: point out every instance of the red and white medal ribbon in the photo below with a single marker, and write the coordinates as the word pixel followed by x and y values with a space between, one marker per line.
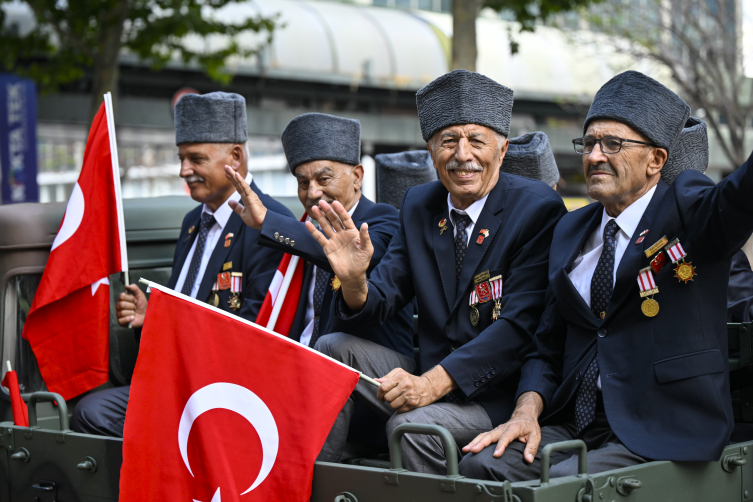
pixel 474 298
pixel 496 283
pixel 235 284
pixel 215 287
pixel 675 251
pixel 646 282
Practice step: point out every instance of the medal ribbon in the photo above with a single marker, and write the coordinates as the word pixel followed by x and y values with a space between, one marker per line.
pixel 496 288
pixel 646 282
pixel 215 287
pixel 474 298
pixel 235 284
pixel 675 251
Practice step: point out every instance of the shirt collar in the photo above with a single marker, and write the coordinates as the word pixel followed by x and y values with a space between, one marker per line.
pixel 223 212
pixel 473 211
pixel 628 219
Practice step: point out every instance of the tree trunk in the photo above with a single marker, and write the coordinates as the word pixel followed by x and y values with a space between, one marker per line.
pixel 106 72
pixel 464 13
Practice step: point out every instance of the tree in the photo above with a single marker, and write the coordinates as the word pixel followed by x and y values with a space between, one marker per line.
pixel 73 36
pixel 699 42
pixel 525 12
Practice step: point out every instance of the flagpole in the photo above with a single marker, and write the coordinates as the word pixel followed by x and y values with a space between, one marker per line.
pixel 187 298
pixel 287 278
pixel 116 179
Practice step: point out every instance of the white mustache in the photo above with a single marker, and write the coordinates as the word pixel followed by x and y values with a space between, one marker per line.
pixel 472 166
pixel 193 179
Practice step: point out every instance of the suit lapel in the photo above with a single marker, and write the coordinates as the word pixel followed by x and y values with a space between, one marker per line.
pixel 362 208
pixel 219 254
pixel 184 246
pixel 630 264
pixel 444 252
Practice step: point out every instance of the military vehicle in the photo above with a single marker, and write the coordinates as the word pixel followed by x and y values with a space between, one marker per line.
pixel 48 462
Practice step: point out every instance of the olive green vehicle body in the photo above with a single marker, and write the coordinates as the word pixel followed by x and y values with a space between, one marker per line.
pixel 47 461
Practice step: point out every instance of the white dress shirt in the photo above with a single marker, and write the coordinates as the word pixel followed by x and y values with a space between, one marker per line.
pixel 213 236
pixel 584 266
pixel 309 319
pixel 473 211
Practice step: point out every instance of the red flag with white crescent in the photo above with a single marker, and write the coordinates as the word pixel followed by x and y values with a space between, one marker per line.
pixel 239 413
pixel 68 323
pixel 278 310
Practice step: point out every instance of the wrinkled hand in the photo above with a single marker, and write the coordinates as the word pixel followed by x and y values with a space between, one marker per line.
pixel 523 426
pixel 405 392
pixel 348 249
pixel 131 307
pixel 252 211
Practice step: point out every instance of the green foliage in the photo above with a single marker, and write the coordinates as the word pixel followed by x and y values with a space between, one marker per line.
pixel 528 12
pixel 74 35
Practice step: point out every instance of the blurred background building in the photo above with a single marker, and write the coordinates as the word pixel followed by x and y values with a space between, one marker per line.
pixel 362 59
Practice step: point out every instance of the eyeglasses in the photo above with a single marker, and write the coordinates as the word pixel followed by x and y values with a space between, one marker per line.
pixel 607 145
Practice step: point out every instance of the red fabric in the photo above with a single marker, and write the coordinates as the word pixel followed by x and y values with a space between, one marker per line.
pixel 187 347
pixel 290 299
pixel 67 325
pixel 20 411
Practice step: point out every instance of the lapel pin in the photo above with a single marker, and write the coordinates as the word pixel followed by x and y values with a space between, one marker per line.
pixel 442 226
pixel 190 230
pixel 227 239
pixel 483 234
pixel 641 236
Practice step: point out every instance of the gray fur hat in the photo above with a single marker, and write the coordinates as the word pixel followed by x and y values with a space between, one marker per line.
pixel 318 136
pixel 397 172
pixel 642 103
pixel 216 117
pixel 690 152
pixel 464 97
pixel 531 156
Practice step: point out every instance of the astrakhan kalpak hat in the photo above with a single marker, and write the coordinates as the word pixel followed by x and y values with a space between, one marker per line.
pixel 531 156
pixel 642 103
pixel 464 97
pixel 690 152
pixel 318 136
pixel 216 117
pixel 397 172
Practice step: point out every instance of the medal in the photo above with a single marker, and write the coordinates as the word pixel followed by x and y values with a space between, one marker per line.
pixel 483 292
pixel 647 285
pixel 235 288
pixel 214 298
pixel 336 283
pixel 223 281
pixel 684 270
pixel 496 284
pixel 442 226
pixel 474 311
pixel 658 262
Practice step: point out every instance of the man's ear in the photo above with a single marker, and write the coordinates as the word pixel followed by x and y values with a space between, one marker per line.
pixel 656 161
pixel 236 154
pixel 503 151
pixel 358 176
pixel 431 153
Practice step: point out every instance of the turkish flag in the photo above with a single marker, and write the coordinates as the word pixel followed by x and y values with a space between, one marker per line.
pixel 223 409
pixel 20 411
pixel 68 323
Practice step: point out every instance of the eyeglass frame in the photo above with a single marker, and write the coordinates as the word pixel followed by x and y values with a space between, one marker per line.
pixel 601 147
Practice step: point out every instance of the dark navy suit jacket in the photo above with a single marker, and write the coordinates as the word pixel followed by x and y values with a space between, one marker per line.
pixel 740 291
pixel 397 331
pixel 257 263
pixel 664 379
pixel 484 360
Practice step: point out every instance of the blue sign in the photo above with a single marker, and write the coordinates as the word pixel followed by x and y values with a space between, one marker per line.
pixel 18 140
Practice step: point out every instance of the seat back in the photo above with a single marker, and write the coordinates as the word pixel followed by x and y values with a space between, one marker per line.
pixel 397 172
pixel 740 340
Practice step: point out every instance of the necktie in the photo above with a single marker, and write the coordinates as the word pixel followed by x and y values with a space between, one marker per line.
pixel 461 222
pixel 602 285
pixel 207 220
pixel 320 287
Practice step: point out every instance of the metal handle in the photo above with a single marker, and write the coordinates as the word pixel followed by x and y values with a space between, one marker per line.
pixel 546 455
pixel 21 455
pixel 48 397
pixel 450 448
pixel 732 462
pixel 88 464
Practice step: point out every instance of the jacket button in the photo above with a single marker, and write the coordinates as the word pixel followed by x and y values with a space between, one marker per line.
pixel 483 379
pixel 602 332
pixel 493 371
pixel 476 383
pixel 292 244
pixel 287 240
pixel 281 238
pixel 277 235
pixel 488 376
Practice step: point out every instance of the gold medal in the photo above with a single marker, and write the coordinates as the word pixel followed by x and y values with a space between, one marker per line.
pixel 685 271
pixel 214 299
pixel 650 307
pixel 336 283
pixel 497 309
pixel 235 302
pixel 474 315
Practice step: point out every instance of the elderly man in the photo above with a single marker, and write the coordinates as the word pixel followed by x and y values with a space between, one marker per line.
pixel 631 353
pixel 323 153
pixel 213 246
pixel 460 239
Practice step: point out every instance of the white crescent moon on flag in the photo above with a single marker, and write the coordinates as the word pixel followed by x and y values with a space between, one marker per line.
pixel 74 213
pixel 229 396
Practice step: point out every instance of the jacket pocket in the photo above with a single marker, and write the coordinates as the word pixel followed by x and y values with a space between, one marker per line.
pixel 689 365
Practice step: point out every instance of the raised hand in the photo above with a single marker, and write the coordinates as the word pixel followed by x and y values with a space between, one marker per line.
pixel 131 307
pixel 348 249
pixel 252 211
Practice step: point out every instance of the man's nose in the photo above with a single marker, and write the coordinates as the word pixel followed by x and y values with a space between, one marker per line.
pixel 597 156
pixel 186 169
pixel 314 191
pixel 463 153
